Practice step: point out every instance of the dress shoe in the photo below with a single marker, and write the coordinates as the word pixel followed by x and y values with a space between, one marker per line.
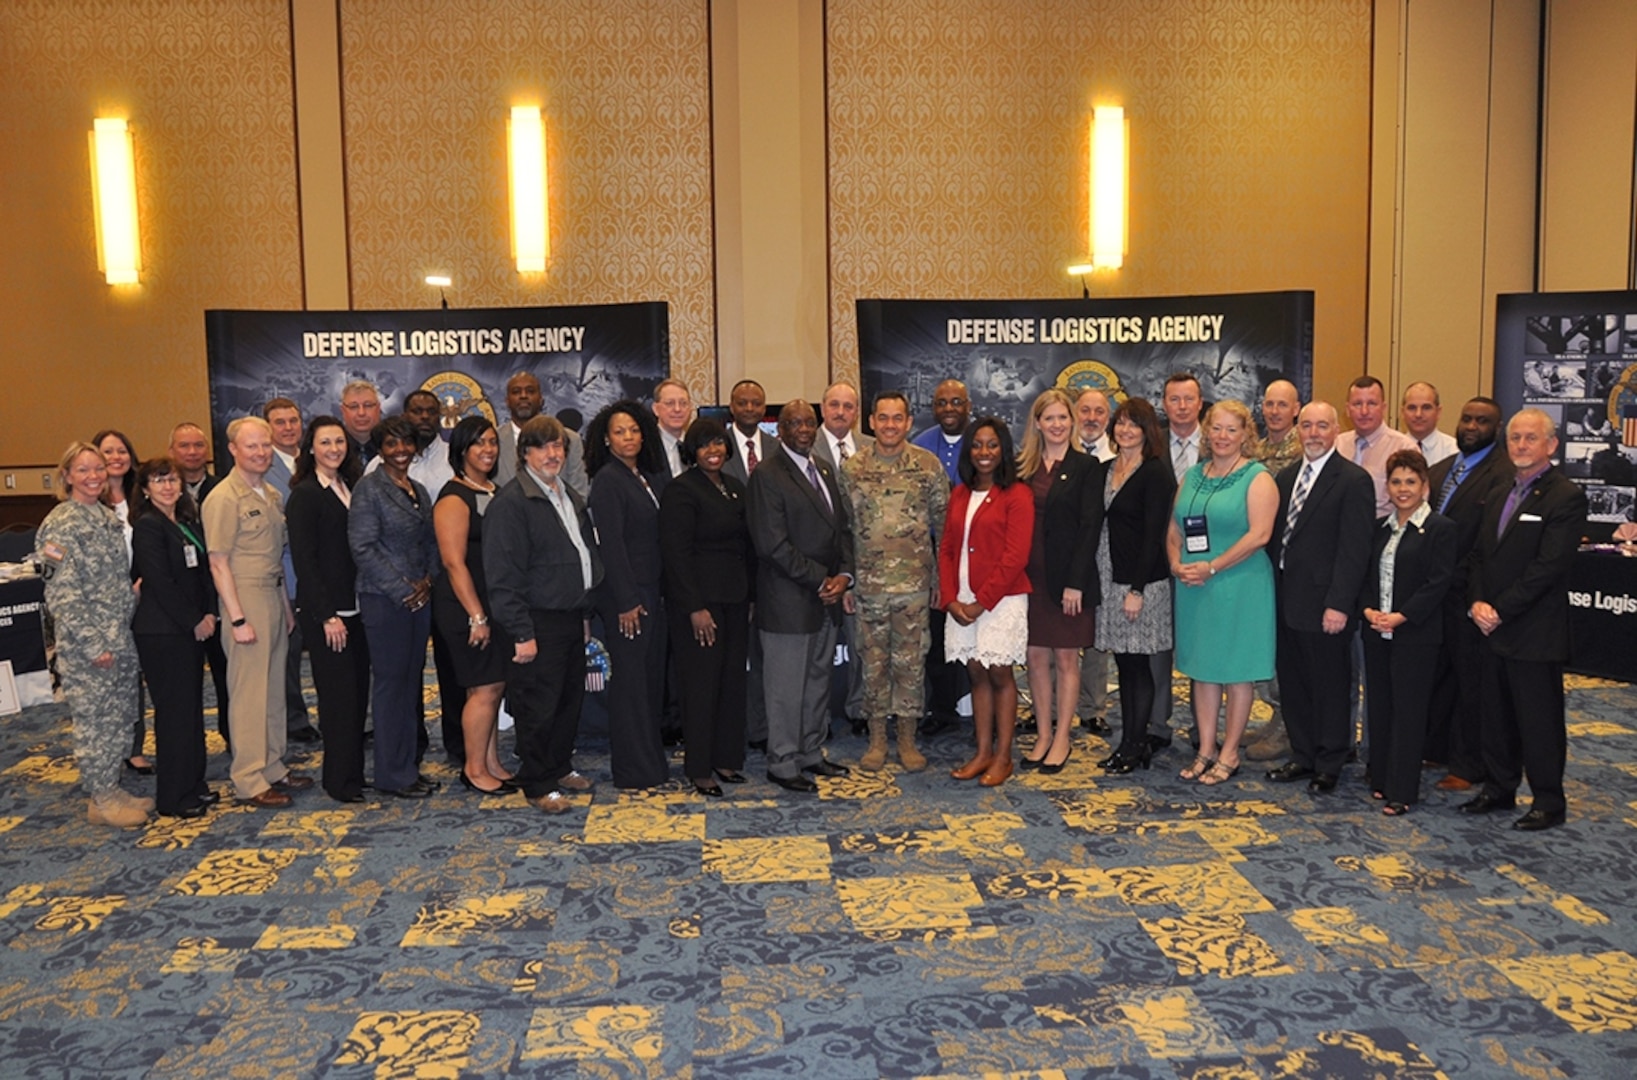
pixel 1290 772
pixel 1097 726
pixel 1156 743
pixel 1485 802
pixel 708 787
pixel 210 798
pixel 998 772
pixel 271 799
pixel 140 770
pixel 1028 764
pixel 758 745
pixel 502 788
pixel 293 782
pixel 1322 784
pixel 356 797
pixel 1126 762
pixel 425 781
pixel 1053 768
pixel 413 791
pixel 185 812
pixel 1537 819
pixel 1453 783
pixel 552 802
pixel 730 776
pixel 793 783
pixel 308 734
pixel 826 768
pixel 973 768
pixel 575 782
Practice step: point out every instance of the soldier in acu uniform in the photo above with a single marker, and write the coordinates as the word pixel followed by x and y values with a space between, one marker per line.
pixel 88 592
pixel 899 494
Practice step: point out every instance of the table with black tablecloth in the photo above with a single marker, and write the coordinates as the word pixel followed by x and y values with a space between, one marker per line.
pixel 1603 616
pixel 21 640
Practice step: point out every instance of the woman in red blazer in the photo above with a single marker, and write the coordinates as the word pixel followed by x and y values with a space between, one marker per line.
pixel 984 586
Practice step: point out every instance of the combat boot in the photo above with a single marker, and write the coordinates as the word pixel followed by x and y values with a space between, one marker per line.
pixel 142 803
pixel 109 810
pixel 876 756
pixel 908 754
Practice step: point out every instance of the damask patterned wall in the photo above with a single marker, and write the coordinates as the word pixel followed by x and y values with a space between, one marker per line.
pixel 206 86
pixel 625 85
pixel 958 139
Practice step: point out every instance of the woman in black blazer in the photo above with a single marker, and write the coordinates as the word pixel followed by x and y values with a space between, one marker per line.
pixel 175 615
pixel 1134 620
pixel 1412 561
pixel 709 584
pixel 624 458
pixel 327 599
pixel 1067 486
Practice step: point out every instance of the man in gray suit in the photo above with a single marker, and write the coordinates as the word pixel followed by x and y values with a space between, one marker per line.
pixel 800 524
pixel 837 441
pixel 524 401
pixel 284 417
pixel 751 446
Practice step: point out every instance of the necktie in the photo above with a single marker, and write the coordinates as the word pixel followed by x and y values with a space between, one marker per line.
pixel 818 485
pixel 842 453
pixel 1359 447
pixel 1304 482
pixel 1182 459
pixel 1451 482
pixel 750 455
pixel 1512 502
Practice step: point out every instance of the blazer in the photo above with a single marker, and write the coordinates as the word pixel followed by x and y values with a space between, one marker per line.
pixel 391 538
pixel 1524 573
pixel 1467 506
pixel 1137 519
pixel 528 559
pixel 708 557
pixel 799 542
pixel 175 596
pixel 1423 567
pixel 1072 524
pixel 573 459
pixel 326 577
pixel 766 447
pixel 626 521
pixel 821 447
pixel 1002 533
pixel 1329 551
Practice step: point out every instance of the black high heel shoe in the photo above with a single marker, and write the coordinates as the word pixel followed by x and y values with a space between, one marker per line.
pixel 1131 762
pixel 1051 769
pixel 1109 762
pixel 503 788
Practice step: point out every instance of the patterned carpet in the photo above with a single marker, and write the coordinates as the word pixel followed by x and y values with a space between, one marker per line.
pixel 905 926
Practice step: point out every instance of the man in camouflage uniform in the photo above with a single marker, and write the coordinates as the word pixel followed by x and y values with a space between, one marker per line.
pixel 898 494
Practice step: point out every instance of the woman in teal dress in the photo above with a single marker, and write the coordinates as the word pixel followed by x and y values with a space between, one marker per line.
pixel 1221 522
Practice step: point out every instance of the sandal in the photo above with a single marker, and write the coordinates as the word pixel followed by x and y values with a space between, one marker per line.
pixel 1201 765
pixel 1395 809
pixel 1218 773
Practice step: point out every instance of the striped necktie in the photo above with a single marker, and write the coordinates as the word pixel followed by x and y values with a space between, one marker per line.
pixel 1304 483
pixel 1451 482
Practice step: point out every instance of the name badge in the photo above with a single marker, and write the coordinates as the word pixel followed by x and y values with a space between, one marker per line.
pixel 190 556
pixel 1196 537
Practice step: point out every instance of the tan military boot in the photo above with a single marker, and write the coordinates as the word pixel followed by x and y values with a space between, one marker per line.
pixel 142 803
pixel 876 756
pixel 108 810
pixel 909 755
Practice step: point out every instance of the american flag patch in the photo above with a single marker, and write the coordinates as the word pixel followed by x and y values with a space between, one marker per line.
pixel 1628 425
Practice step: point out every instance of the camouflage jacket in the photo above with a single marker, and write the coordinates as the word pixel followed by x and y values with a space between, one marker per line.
pixel 898 508
pixel 87 579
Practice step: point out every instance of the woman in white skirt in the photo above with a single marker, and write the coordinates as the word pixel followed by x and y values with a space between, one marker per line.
pixel 984 587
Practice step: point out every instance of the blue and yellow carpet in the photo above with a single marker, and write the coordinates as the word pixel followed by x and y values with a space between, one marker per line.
pixel 901 926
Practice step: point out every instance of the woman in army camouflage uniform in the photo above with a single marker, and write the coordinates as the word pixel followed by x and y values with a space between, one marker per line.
pixel 81 545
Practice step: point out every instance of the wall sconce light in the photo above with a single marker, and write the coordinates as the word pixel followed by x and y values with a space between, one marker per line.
pixel 526 144
pixel 113 196
pixel 1108 187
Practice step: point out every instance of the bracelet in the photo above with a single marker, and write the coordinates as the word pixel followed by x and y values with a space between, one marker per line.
pixel 240 621
pixel 474 621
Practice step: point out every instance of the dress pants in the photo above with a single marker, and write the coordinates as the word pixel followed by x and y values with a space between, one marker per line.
pixel 1314 669
pixel 755 690
pixel 1455 726
pixel 1524 732
pixel 796 670
pixel 1159 719
pixel 216 657
pixel 295 706
pixel 451 699
pixel 636 696
pixel 397 652
pixel 545 696
pixel 1397 693
pixel 1093 685
pixel 174 666
pixel 341 681
pixel 713 690
pixel 255 678
pixel 853 707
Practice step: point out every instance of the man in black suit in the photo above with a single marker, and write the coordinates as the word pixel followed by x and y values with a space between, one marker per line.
pixel 800 526
pixel 1321 549
pixel 1460 489
pixel 1518 588
pixel 191 451
pixel 747 401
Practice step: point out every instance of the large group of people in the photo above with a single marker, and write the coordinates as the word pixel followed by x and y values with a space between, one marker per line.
pixel 1423 574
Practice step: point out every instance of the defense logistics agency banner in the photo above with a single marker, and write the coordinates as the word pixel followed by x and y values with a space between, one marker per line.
pixel 585 357
pixel 1008 351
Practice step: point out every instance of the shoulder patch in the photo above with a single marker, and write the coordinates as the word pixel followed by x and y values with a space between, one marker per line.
pixel 53 551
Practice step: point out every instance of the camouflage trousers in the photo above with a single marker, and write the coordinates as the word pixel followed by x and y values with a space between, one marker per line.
pixel 104 710
pixel 893 638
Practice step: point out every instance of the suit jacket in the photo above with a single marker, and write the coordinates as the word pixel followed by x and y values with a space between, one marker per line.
pixel 1002 533
pixel 1524 573
pixel 766 447
pixel 175 596
pixel 573 459
pixel 326 577
pixel 799 542
pixel 1329 551
pixel 707 553
pixel 1423 567
pixel 1137 519
pixel 626 520
pixel 529 560
pixel 1072 524
pixel 821 447
pixel 1467 507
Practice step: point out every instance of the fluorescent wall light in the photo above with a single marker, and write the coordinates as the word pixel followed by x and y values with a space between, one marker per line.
pixel 113 195
pixel 526 144
pixel 1108 187
pixel 439 281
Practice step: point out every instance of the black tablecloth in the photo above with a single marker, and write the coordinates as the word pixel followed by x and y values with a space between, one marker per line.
pixel 1603 616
